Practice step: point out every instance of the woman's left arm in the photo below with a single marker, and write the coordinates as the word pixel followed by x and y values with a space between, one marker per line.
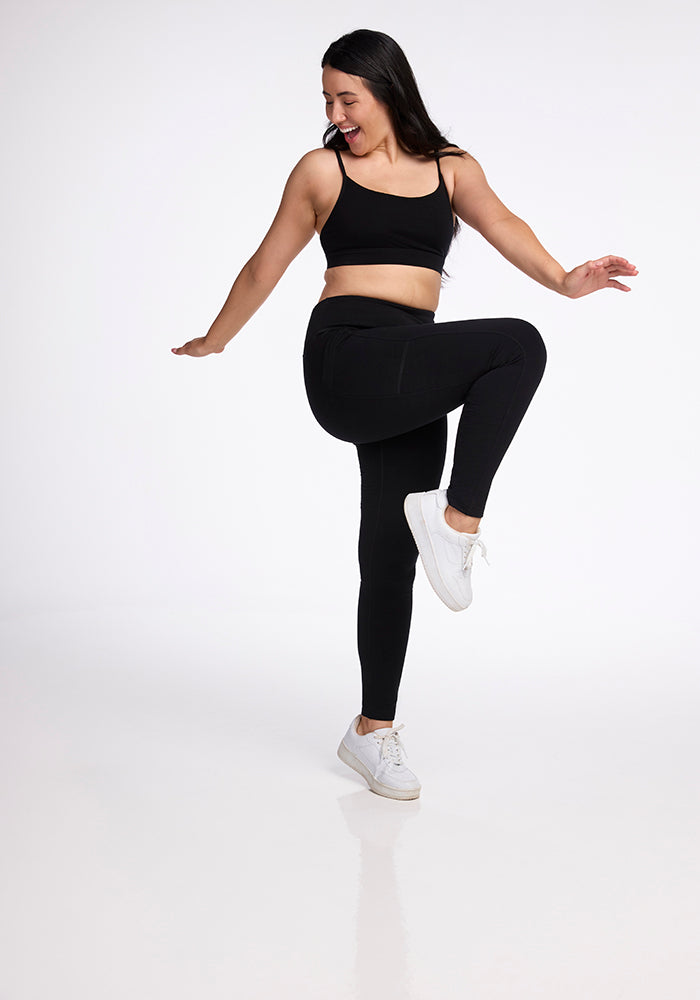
pixel 477 205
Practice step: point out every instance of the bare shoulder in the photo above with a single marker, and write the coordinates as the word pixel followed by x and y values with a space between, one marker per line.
pixel 457 169
pixel 462 163
pixel 317 174
pixel 317 165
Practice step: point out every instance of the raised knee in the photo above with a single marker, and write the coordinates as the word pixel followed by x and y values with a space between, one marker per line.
pixel 530 340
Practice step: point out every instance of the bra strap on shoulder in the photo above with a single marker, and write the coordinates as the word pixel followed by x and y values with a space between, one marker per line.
pixel 437 158
pixel 340 161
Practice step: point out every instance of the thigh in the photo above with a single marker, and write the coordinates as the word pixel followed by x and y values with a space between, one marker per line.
pixel 390 361
pixel 367 384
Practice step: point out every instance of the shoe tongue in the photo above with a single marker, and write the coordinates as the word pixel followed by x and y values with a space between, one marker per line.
pixel 383 731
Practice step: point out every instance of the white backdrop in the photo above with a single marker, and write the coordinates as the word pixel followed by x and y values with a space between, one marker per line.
pixel 145 151
pixel 179 536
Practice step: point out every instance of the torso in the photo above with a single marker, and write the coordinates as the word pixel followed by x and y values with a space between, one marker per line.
pixel 407 285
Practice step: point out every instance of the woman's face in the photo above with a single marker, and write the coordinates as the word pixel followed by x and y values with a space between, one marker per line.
pixel 352 108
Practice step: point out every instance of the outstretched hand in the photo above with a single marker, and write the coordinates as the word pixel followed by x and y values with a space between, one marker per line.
pixel 197 348
pixel 595 274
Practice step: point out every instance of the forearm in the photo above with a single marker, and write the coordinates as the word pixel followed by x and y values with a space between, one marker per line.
pixel 246 296
pixel 514 239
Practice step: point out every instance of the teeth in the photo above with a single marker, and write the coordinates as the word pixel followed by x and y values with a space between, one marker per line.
pixel 345 130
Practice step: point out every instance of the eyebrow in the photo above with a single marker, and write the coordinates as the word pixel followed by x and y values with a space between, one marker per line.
pixel 341 93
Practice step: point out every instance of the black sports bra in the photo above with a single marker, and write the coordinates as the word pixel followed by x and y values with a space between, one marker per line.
pixel 373 227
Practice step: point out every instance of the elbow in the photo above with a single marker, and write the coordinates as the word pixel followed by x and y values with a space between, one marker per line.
pixel 263 273
pixel 501 224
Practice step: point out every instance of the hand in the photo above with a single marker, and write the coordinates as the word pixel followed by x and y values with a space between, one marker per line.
pixel 595 274
pixel 197 348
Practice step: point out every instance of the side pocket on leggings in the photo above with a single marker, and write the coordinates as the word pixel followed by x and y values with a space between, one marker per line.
pixel 401 366
pixel 358 363
pixel 333 337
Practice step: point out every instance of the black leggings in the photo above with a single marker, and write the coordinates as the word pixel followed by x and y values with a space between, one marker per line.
pixel 384 377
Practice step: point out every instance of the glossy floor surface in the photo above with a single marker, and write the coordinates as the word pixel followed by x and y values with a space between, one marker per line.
pixel 176 824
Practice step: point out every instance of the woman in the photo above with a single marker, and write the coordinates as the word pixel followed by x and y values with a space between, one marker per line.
pixel 378 370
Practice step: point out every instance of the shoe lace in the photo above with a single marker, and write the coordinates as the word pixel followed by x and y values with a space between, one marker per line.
pixel 470 546
pixel 392 747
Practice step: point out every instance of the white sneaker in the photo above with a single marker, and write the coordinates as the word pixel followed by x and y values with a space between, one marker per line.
pixel 446 554
pixel 379 758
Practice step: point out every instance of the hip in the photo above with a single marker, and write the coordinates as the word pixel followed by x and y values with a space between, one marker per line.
pixel 364 338
pixel 364 312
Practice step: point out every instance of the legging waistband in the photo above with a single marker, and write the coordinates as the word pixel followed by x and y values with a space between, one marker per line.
pixel 363 310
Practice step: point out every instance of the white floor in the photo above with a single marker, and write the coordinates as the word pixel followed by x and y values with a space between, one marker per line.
pixel 176 822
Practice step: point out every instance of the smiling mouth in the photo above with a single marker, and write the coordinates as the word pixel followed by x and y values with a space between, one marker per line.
pixel 351 134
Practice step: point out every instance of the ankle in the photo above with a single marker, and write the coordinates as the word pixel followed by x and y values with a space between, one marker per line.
pixel 461 522
pixel 366 725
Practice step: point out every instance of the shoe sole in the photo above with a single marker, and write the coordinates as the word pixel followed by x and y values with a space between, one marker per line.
pixel 356 764
pixel 416 522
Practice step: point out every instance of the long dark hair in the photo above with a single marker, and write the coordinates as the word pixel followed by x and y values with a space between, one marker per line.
pixel 387 74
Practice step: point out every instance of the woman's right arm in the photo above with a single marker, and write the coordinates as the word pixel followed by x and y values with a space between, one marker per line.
pixel 291 230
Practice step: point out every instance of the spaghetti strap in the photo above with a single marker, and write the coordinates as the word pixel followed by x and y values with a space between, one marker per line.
pixel 340 161
pixel 366 226
pixel 438 158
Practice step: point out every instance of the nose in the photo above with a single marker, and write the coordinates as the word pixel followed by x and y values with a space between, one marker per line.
pixel 337 117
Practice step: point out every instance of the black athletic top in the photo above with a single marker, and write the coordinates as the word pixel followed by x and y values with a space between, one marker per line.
pixel 373 227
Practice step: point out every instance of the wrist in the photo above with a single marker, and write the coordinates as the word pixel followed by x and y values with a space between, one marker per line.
pixel 560 283
pixel 212 347
pixel 216 341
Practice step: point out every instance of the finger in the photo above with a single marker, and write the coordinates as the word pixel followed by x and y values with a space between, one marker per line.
pixel 616 262
pixel 616 284
pixel 611 259
pixel 613 273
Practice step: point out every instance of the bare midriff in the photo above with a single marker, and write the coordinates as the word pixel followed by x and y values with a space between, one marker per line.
pixel 402 283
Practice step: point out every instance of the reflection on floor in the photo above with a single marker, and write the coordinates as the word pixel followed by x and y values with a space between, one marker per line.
pixel 176 824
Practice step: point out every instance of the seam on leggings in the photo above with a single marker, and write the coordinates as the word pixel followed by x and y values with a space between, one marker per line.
pixel 379 508
pixel 375 529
